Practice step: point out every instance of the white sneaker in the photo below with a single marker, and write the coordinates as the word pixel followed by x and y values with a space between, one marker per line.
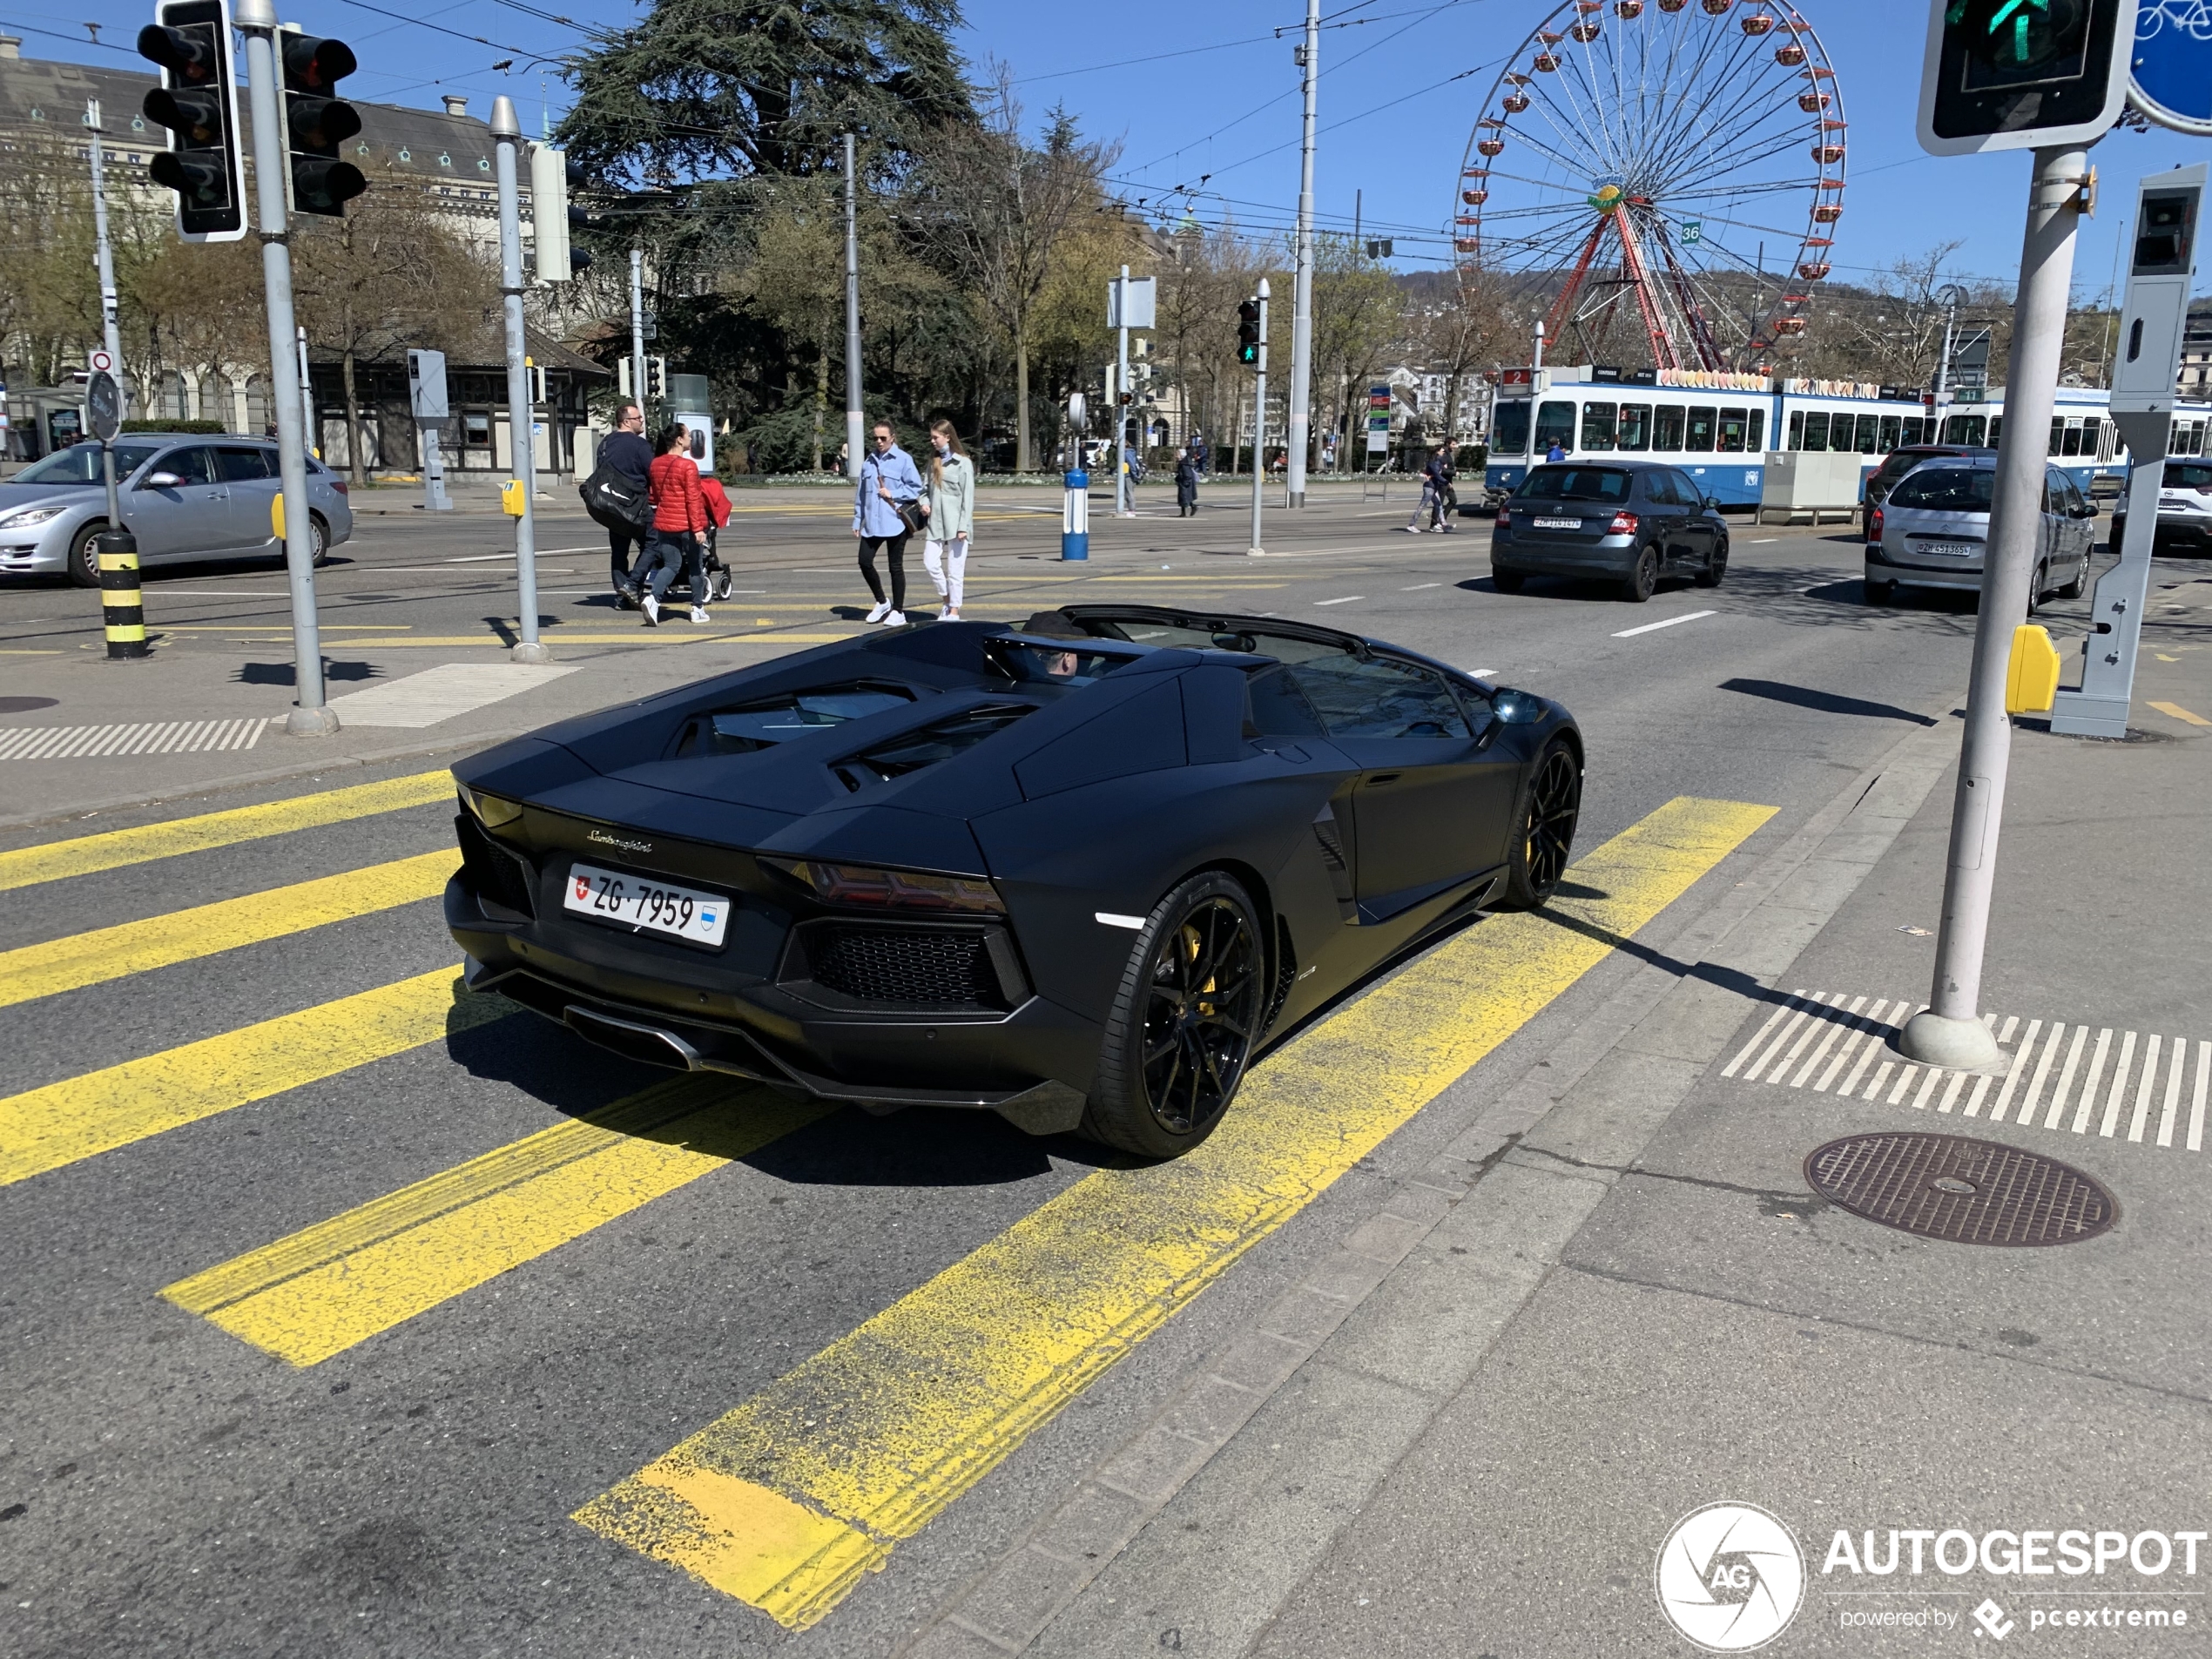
pixel 894 619
pixel 1412 529
pixel 650 606
pixel 698 613
pixel 881 610
pixel 948 616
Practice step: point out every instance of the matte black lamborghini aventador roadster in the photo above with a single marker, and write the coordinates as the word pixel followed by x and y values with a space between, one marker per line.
pixel 1080 872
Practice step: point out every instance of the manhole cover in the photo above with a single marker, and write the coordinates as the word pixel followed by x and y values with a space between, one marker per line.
pixel 24 705
pixel 1967 1191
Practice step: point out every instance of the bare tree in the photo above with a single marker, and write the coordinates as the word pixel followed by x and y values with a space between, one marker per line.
pixel 997 211
pixel 1358 313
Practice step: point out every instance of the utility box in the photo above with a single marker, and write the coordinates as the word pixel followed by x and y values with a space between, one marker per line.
pixel 687 405
pixel 1812 486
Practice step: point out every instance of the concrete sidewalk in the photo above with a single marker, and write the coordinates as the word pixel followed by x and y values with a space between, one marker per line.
pixel 1616 1298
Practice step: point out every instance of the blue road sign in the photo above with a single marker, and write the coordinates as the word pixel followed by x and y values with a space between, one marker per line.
pixel 2172 65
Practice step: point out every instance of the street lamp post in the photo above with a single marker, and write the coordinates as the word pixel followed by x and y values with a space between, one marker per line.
pixel 1301 413
pixel 521 437
pixel 1259 425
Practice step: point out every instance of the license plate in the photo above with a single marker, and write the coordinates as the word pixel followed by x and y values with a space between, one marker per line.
pixel 1558 523
pixel 634 901
pixel 1959 549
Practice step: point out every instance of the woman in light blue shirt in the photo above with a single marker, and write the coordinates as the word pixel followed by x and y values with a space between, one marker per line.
pixel 888 480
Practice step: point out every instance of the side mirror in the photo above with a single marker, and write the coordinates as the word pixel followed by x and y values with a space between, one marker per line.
pixel 1712 503
pixel 1516 708
pixel 160 480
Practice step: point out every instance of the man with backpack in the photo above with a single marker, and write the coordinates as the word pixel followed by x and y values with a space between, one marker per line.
pixel 624 458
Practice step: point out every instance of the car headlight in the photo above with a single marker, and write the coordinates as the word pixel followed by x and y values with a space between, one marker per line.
pixel 24 518
pixel 918 890
pixel 490 811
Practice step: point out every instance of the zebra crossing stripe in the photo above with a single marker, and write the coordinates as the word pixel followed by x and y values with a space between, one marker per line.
pixel 163 737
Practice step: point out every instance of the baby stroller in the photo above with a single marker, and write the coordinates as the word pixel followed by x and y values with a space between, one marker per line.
pixel 715 574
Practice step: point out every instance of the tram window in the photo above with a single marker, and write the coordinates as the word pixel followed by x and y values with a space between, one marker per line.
pixel 1732 431
pixel 1915 430
pixel 1635 426
pixel 1555 424
pixel 1509 429
pixel 1816 429
pixel 1963 429
pixel 1869 428
pixel 1797 429
pixel 1700 433
pixel 2058 434
pixel 1666 427
pixel 1600 421
pixel 1888 439
pixel 1996 429
pixel 2072 443
pixel 1755 435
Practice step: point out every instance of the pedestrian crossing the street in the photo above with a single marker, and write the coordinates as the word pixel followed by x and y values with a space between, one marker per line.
pixel 928 1394
pixel 2146 1089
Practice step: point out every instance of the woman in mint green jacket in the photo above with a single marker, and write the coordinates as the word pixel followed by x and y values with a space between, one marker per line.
pixel 951 498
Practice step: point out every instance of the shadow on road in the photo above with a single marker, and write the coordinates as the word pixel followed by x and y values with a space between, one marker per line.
pixel 1827 702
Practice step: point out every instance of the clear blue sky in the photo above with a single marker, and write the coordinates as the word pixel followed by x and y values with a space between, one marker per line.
pixel 1195 90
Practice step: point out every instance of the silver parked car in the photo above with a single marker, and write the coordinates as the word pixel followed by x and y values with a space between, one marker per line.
pixel 184 497
pixel 1931 530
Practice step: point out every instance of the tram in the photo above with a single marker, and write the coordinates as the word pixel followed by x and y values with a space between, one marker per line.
pixel 1720 427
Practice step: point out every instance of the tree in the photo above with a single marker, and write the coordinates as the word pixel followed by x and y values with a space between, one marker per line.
pixel 998 212
pixel 1201 287
pixel 1358 313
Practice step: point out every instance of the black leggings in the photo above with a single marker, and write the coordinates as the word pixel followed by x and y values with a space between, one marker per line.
pixel 894 550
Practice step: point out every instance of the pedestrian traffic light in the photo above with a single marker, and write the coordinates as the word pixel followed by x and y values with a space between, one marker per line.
pixel 2022 74
pixel 198 102
pixel 316 123
pixel 656 378
pixel 552 176
pixel 1248 332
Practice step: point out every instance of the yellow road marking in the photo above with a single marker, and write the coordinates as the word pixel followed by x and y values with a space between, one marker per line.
pixel 327 1287
pixel 47 1128
pixel 881 1430
pixel 88 854
pixel 669 634
pixel 2180 713
pixel 185 935
pixel 286 628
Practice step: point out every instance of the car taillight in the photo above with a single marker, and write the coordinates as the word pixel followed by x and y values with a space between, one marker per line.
pixel 1624 524
pixel 1874 525
pixel 339 485
pixel 866 885
pixel 1505 518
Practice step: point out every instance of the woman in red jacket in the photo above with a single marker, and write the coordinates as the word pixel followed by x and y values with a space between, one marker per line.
pixel 679 527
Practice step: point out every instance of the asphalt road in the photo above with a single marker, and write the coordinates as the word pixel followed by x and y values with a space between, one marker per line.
pixel 193 1462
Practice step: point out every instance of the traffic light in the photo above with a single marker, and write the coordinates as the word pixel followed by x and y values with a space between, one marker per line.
pixel 1248 332
pixel 316 123
pixel 552 176
pixel 2022 74
pixel 656 378
pixel 198 102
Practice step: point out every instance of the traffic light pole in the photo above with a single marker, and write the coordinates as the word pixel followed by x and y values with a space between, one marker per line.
pixel 1259 426
pixel 521 437
pixel 638 332
pixel 1949 1031
pixel 1302 300
pixel 855 415
pixel 1124 507
pixel 257 19
pixel 111 333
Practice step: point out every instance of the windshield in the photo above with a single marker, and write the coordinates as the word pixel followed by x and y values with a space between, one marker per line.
pixel 80 464
pixel 1575 484
pixel 1948 489
pixel 1509 430
pixel 2189 475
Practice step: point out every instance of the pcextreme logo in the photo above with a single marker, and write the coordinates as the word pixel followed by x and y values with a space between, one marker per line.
pixel 1730 1577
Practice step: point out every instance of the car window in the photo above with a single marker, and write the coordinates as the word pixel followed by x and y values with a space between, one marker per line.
pixel 769 721
pixel 1575 484
pixel 2076 500
pixel 80 464
pixel 1659 488
pixel 192 465
pixel 1275 706
pixel 1687 492
pixel 2189 475
pixel 1380 698
pixel 1948 489
pixel 242 462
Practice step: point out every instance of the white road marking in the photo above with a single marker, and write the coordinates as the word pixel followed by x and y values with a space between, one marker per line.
pixel 1418 586
pixel 1650 627
pixel 1350 599
pixel 158 738
pixel 2089 1088
pixel 1112 921
pixel 2140 1120
pixel 440 693
pixel 2018 1070
pixel 2196 1106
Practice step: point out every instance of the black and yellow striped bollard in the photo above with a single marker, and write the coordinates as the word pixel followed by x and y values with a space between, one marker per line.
pixel 122 605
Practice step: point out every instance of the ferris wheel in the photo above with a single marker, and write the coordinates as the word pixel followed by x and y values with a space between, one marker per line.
pixel 1659 177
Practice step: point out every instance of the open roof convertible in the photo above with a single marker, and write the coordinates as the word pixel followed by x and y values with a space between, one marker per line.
pixel 1079 874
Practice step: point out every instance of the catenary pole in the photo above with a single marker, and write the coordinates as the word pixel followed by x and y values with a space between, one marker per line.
pixel 1125 486
pixel 1259 426
pixel 637 331
pixel 1948 1032
pixel 1301 418
pixel 257 19
pixel 110 331
pixel 521 436
pixel 855 415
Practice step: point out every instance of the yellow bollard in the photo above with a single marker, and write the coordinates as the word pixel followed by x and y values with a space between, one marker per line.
pixel 122 605
pixel 2032 677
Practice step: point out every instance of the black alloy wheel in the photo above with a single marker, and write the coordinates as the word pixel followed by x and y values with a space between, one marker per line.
pixel 1183 1024
pixel 1716 565
pixel 84 557
pixel 1507 581
pixel 1643 580
pixel 1551 803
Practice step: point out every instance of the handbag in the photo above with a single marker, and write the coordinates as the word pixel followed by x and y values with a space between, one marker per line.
pixel 616 502
pixel 911 515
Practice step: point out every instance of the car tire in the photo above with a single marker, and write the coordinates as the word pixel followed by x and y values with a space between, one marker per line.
pixel 84 560
pixel 1177 1043
pixel 1508 581
pixel 1878 593
pixel 2074 589
pixel 1716 571
pixel 1543 835
pixel 1644 580
pixel 321 534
